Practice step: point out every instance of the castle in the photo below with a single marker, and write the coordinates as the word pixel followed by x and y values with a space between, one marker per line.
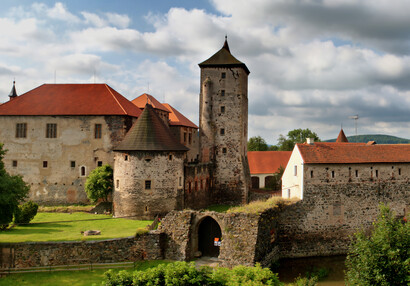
pixel 57 133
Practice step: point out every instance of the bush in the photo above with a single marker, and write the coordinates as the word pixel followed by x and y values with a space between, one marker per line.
pixel 306 281
pixel 99 183
pixel 186 274
pixel 26 212
pixel 384 257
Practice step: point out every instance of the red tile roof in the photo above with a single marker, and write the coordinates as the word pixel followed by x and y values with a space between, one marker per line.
pixel 267 162
pixel 177 119
pixel 342 153
pixel 146 98
pixel 70 99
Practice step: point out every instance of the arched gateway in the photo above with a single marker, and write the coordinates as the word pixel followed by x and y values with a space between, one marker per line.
pixel 209 234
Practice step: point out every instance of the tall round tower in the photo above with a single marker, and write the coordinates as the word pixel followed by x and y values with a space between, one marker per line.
pixel 223 124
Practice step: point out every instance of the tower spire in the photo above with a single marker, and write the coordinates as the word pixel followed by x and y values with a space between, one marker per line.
pixel 226 46
pixel 13 92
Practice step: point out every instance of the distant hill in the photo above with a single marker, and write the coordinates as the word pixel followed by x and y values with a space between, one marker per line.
pixel 380 139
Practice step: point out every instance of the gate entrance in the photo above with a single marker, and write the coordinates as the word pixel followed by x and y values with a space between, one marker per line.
pixel 209 232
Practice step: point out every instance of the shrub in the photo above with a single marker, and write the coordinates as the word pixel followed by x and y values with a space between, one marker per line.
pixel 384 257
pixel 26 212
pixel 99 183
pixel 306 281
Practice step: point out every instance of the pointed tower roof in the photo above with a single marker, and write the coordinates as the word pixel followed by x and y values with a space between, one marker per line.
pixel 224 58
pixel 13 92
pixel 342 137
pixel 149 133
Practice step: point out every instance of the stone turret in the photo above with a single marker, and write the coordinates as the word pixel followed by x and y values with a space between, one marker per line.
pixel 223 123
pixel 148 169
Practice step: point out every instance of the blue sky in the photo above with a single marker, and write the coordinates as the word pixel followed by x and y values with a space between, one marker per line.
pixel 313 63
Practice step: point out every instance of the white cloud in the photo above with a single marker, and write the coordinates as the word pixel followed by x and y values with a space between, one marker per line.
pixel 59 12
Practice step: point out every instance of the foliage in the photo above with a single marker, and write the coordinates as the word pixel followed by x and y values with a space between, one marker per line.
pixel 182 273
pixel 68 227
pixel 99 183
pixel 26 212
pixel 319 273
pixel 13 190
pixel 305 281
pixel 257 143
pixel 295 136
pixel 384 257
pixel 260 206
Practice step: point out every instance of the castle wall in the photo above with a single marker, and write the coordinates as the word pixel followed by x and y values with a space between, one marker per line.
pixel 188 137
pixel 223 130
pixel 56 168
pixel 198 186
pixel 134 196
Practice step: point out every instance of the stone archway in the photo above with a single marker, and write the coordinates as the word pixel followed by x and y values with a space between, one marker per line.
pixel 255 182
pixel 209 231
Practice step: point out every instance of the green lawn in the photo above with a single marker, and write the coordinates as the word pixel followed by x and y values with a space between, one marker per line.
pixel 68 227
pixel 70 278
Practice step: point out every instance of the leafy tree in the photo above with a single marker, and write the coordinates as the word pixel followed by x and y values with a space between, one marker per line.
pixel 26 212
pixel 384 257
pixel 295 136
pixel 99 183
pixel 13 190
pixel 257 143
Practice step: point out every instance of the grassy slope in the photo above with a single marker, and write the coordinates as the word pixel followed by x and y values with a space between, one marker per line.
pixel 66 227
pixel 70 278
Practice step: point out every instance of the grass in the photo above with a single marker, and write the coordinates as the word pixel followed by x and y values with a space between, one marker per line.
pixel 219 208
pixel 68 227
pixel 258 207
pixel 66 209
pixel 71 278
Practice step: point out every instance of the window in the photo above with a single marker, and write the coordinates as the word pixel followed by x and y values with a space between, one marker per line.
pixel 82 171
pixel 146 208
pixel 311 174
pixel 295 170
pixel 51 130
pixel 222 92
pixel 357 173
pixel 180 181
pixel 223 75
pixel 125 157
pixel 222 131
pixel 184 137
pixel 97 131
pixel 118 184
pixel 21 130
pixel 148 184
pixel 222 109
pixel 99 163
pixel 377 173
pixel 45 164
pixel 170 157
pixel 72 164
pixel 333 174
pixel 196 185
pixel 190 138
pixel 399 171
pixel 14 163
pixel 224 150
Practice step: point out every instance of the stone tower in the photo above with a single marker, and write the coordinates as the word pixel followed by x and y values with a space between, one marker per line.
pixel 223 124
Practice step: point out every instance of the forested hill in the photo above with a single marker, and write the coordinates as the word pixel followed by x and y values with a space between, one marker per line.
pixel 380 139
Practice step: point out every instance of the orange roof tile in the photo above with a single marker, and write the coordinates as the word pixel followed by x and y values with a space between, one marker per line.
pixel 177 119
pixel 342 153
pixel 267 162
pixel 342 137
pixel 146 98
pixel 70 99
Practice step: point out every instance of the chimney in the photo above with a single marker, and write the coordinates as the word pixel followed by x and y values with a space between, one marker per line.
pixel 310 141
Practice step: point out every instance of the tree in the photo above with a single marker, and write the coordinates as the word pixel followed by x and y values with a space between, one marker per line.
pixel 257 143
pixel 384 257
pixel 99 183
pixel 295 136
pixel 13 190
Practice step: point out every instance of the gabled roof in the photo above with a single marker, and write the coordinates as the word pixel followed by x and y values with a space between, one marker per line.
pixel 146 98
pixel 342 153
pixel 224 58
pixel 149 133
pixel 342 137
pixel 267 162
pixel 70 99
pixel 177 119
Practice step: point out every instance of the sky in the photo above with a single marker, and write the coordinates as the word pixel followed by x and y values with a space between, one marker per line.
pixel 313 63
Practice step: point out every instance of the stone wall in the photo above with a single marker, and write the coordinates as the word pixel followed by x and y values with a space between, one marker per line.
pixel 56 168
pixel 33 254
pixel 198 186
pixel 187 136
pixel 133 197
